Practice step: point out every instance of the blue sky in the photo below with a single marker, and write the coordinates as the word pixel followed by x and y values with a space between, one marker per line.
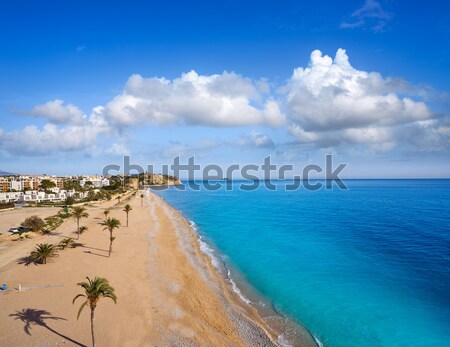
pixel 82 84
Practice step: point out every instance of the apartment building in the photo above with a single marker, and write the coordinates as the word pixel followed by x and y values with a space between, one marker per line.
pixel 4 186
pixel 35 196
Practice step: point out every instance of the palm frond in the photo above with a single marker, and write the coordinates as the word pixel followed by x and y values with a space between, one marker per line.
pixel 81 308
pixel 79 212
pixel 77 296
pixel 110 224
pixel 95 289
pixel 43 252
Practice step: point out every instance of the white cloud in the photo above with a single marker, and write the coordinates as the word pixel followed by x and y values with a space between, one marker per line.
pixel 176 148
pixel 51 138
pixel 331 103
pixel 56 112
pixel 370 14
pixel 118 149
pixel 327 104
pixel 220 100
pixel 256 140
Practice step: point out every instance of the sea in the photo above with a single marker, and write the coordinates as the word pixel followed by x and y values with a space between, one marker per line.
pixel 365 266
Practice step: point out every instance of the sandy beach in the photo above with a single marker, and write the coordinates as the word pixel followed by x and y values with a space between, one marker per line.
pixel 168 291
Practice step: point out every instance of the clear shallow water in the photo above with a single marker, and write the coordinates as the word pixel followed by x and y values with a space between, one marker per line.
pixel 369 266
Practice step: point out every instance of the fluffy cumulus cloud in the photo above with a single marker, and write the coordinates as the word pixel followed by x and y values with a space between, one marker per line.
pixel 331 103
pixel 220 100
pixel 56 112
pixel 52 138
pixel 328 104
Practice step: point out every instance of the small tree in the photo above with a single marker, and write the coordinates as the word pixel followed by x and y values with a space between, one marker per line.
pixel 34 223
pixel 110 224
pixel 118 199
pixel 47 184
pixel 43 252
pixel 91 195
pixel 65 243
pixel 106 213
pixel 127 210
pixel 78 213
pixel 70 200
pixel 142 199
pixel 83 228
pixel 94 290
pixel 53 222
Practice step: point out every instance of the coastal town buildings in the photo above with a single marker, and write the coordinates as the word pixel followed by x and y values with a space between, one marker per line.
pixel 34 196
pixel 28 189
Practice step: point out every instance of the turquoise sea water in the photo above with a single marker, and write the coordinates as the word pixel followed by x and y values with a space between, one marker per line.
pixel 369 266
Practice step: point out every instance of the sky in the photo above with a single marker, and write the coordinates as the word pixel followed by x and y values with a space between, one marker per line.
pixel 83 84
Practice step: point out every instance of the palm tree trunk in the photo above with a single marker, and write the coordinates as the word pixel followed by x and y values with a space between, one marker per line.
pixel 110 243
pixel 142 200
pixel 127 219
pixel 78 229
pixel 92 327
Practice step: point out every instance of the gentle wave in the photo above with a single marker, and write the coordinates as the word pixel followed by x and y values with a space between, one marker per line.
pixel 236 289
pixel 219 265
pixel 317 341
pixel 206 249
pixel 216 262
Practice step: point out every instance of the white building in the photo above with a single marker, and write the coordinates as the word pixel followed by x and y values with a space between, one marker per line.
pixel 36 196
pixel 9 197
pixel 97 181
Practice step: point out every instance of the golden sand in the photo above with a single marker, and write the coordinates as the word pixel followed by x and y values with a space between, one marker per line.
pixel 168 291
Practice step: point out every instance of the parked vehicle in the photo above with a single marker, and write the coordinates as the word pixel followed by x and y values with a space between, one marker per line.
pixel 19 230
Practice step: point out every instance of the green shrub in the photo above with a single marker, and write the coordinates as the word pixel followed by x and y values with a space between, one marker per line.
pixel 34 223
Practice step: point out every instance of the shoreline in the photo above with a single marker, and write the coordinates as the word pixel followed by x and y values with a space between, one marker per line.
pixel 276 324
pixel 245 316
pixel 168 292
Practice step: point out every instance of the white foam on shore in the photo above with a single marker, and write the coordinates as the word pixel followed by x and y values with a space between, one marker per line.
pixel 205 248
pixel 319 344
pixel 236 289
pixel 219 265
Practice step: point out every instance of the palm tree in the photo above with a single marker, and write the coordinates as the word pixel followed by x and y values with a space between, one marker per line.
pixel 78 213
pixel 142 199
pixel 94 290
pixel 127 210
pixel 118 199
pixel 111 224
pixel 68 242
pixel 106 213
pixel 43 252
